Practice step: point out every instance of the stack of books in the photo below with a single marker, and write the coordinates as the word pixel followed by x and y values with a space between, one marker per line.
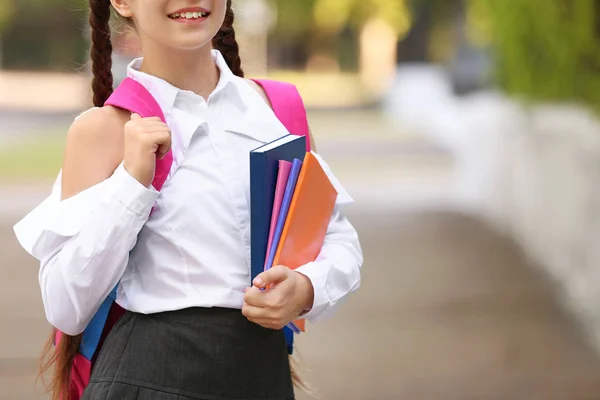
pixel 291 202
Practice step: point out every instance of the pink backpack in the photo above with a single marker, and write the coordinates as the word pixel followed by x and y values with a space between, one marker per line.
pixel 132 96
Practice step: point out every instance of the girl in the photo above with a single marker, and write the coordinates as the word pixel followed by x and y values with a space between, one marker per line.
pixel 193 329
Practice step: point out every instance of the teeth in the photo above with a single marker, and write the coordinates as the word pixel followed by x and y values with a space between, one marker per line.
pixel 189 15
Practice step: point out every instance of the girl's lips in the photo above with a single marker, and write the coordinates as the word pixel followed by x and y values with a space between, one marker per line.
pixel 186 10
pixel 190 20
pixel 190 15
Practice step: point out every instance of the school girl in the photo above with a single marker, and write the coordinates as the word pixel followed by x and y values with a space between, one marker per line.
pixel 193 327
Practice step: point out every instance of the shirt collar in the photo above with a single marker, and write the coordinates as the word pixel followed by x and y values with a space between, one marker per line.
pixel 261 124
pixel 166 94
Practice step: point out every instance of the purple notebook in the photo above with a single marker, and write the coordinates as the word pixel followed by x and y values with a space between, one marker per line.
pixel 283 172
pixel 283 211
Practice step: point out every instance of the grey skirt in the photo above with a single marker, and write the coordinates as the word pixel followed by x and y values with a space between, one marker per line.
pixel 195 353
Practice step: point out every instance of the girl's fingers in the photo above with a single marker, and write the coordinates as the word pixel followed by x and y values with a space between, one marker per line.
pixel 155 127
pixel 254 312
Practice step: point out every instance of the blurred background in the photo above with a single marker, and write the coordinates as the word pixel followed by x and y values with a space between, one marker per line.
pixel 466 130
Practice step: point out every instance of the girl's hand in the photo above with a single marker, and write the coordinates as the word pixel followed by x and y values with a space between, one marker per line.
pixel 291 295
pixel 145 140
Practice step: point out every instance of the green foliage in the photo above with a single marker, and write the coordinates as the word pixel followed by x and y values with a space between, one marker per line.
pixel 297 18
pixel 51 37
pixel 7 10
pixel 545 49
pixel 294 18
pixel 332 27
pixel 333 15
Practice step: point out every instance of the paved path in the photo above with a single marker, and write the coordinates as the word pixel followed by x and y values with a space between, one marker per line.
pixel 448 310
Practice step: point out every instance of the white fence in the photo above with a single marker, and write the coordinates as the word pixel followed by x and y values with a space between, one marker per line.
pixel 531 171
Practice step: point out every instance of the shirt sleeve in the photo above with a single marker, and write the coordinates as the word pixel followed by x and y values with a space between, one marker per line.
pixel 83 245
pixel 336 271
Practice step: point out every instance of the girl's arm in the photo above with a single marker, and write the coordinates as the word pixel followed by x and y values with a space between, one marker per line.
pixel 83 233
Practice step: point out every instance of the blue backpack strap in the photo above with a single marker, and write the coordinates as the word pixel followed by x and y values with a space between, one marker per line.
pixel 131 96
pixel 289 339
pixel 93 331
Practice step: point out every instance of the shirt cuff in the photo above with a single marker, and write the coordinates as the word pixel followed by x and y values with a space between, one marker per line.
pixel 131 193
pixel 316 272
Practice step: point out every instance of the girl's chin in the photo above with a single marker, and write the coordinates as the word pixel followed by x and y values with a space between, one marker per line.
pixel 194 43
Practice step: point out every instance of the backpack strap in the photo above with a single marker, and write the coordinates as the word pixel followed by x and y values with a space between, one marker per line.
pixel 132 96
pixel 288 106
pixel 92 334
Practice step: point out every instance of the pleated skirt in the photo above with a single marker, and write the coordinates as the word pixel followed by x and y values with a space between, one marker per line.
pixel 195 353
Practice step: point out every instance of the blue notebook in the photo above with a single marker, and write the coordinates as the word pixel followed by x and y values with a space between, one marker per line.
pixel 264 164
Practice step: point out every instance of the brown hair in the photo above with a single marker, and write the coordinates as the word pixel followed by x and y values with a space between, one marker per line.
pixel 60 358
pixel 225 42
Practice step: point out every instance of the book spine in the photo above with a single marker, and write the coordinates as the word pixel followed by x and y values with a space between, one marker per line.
pixel 257 213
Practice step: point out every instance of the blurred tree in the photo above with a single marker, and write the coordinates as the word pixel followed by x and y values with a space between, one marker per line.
pixel 325 26
pixel 288 46
pixel 7 10
pixel 51 37
pixel 435 34
pixel 544 49
pixel 294 18
pixel 414 47
pixel 331 16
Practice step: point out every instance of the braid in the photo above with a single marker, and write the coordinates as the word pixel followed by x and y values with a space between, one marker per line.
pixel 101 51
pixel 225 42
pixel 60 358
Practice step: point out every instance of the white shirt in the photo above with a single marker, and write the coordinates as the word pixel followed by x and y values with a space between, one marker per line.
pixel 194 248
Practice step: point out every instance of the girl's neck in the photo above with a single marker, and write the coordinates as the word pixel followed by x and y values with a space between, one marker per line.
pixel 193 70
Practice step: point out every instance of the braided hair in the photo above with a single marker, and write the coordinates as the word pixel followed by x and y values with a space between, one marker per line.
pixel 225 42
pixel 101 51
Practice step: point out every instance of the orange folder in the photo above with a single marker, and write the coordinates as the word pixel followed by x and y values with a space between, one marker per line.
pixel 307 220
